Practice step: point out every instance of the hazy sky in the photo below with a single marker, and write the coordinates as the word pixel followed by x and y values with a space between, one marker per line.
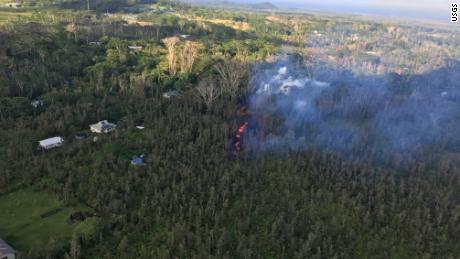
pixel 423 4
pixel 420 9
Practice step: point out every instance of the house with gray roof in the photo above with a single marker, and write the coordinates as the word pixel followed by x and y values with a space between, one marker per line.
pixel 50 143
pixel 6 251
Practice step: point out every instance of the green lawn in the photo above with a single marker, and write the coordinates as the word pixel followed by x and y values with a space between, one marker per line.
pixel 22 226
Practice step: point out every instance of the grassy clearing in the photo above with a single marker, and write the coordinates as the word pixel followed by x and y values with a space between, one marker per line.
pixel 10 16
pixel 26 222
pixel 242 26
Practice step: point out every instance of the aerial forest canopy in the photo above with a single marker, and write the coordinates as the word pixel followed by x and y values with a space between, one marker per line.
pixel 230 133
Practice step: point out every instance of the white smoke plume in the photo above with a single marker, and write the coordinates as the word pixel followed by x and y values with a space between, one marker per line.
pixel 356 115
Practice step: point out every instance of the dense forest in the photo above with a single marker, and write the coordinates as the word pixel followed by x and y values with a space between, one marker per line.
pixel 177 80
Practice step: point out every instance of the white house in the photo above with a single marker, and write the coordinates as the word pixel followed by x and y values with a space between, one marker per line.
pixel 12 5
pixel 37 103
pixel 6 252
pixel 51 143
pixel 103 127
pixel 135 48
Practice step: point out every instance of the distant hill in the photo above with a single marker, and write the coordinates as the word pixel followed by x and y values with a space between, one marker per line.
pixel 263 5
pixel 225 3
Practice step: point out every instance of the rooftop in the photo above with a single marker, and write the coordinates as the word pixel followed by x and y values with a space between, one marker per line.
pixel 5 248
pixel 138 160
pixel 103 126
pixel 170 94
pixel 51 141
pixel 37 103
pixel 135 47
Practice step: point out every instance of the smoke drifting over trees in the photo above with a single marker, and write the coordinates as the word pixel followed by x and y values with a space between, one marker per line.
pixel 357 115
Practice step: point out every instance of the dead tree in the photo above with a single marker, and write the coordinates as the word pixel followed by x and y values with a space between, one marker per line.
pixel 187 56
pixel 170 44
pixel 207 90
pixel 72 28
pixel 231 74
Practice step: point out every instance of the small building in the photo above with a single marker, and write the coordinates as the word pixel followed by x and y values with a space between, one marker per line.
pixel 138 160
pixel 135 48
pixel 12 5
pixel 170 94
pixel 140 127
pixel 51 143
pixel 184 36
pixel 103 127
pixel 97 43
pixel 37 103
pixel 6 251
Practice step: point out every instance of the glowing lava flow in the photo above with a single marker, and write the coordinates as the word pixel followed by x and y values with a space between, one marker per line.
pixel 236 141
pixel 239 134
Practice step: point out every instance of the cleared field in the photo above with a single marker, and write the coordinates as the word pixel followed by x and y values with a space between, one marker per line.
pixel 7 16
pixel 243 26
pixel 30 219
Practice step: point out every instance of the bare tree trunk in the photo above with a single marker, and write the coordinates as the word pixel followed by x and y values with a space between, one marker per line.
pixel 208 91
pixel 231 74
pixel 170 44
pixel 187 56
pixel 72 28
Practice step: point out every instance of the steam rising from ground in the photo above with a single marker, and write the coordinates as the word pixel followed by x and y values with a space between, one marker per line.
pixel 358 115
